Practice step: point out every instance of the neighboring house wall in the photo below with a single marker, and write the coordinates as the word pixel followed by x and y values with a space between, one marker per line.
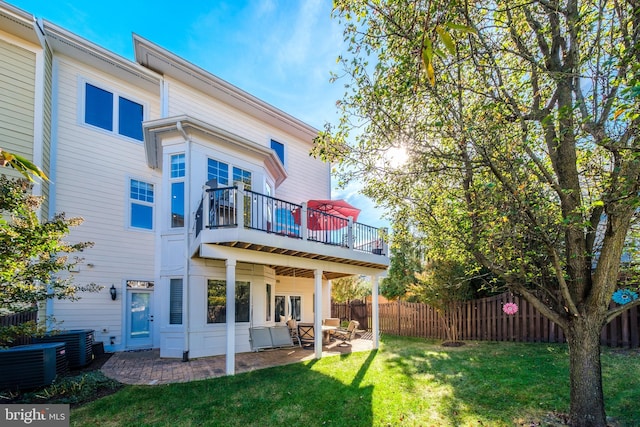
pixel 25 99
pixel 17 92
pixel 25 96
pixel 94 169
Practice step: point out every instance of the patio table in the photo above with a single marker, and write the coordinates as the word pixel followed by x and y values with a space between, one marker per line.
pixel 326 333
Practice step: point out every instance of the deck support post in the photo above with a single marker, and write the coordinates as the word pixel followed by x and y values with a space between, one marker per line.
pixel 375 311
pixel 317 321
pixel 231 316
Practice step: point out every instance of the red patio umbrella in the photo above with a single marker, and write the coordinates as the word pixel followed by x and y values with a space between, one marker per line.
pixel 337 208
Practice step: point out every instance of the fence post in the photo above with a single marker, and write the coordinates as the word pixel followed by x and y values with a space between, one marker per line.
pixel 486 321
pixel 399 328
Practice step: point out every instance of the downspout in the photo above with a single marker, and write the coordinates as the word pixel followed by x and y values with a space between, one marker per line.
pixel 53 168
pixel 187 243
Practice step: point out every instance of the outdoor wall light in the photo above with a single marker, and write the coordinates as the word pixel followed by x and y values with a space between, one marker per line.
pixel 112 291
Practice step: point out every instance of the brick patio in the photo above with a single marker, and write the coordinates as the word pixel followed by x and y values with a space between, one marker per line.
pixel 147 368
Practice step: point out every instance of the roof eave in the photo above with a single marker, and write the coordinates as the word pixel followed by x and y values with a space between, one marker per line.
pixel 74 46
pixel 153 145
pixel 166 63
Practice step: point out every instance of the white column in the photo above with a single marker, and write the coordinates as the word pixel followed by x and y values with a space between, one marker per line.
pixel 375 310
pixel 317 321
pixel 231 316
pixel 326 299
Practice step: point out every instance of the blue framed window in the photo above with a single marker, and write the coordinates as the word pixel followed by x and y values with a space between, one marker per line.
pixel 218 171
pixel 278 147
pixel 98 109
pixel 130 116
pixel 123 117
pixel 141 197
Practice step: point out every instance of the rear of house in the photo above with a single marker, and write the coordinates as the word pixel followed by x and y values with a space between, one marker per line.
pixel 194 193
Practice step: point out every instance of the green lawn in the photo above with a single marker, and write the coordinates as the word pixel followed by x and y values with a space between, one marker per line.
pixel 408 382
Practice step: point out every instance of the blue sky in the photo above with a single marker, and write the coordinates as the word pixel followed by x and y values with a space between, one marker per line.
pixel 281 51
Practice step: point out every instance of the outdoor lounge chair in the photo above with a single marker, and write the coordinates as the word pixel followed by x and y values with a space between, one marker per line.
pixel 348 334
pixel 262 337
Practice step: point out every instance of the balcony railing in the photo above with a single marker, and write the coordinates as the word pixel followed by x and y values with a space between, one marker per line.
pixel 231 206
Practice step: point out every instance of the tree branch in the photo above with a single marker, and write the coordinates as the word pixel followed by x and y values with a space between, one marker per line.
pixel 616 311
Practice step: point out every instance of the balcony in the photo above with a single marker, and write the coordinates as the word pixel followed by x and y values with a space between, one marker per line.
pixel 233 216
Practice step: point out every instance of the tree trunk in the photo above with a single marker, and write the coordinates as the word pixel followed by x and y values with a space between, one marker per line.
pixel 587 400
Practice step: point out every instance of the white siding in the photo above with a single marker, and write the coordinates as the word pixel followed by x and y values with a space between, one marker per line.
pixel 94 168
pixel 308 178
pixel 288 286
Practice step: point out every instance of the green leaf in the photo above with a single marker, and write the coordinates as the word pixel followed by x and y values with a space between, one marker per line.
pixel 22 165
pixel 459 27
pixel 427 51
pixel 427 56
pixel 446 39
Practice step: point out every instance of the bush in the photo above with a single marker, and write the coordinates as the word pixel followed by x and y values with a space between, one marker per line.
pixel 74 390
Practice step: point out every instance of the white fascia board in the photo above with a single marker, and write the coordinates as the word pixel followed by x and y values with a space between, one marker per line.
pixel 70 44
pixel 19 23
pixel 222 252
pixel 155 130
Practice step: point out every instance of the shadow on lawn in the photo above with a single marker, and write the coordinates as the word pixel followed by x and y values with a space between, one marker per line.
pixel 284 395
pixel 485 380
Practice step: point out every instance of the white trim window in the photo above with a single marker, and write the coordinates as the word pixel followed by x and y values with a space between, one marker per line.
pixel 288 307
pixel 112 112
pixel 141 202
pixel 241 175
pixel 217 301
pixel 175 301
pixel 219 171
pixel 178 172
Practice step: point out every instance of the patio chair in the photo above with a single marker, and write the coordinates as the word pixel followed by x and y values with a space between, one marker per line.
pixel 348 334
pixel 293 331
pixel 306 334
pixel 331 321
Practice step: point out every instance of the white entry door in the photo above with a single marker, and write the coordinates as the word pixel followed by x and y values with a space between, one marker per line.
pixel 139 318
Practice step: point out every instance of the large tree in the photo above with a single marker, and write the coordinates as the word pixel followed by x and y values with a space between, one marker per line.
pixel 349 288
pixel 407 256
pixel 519 120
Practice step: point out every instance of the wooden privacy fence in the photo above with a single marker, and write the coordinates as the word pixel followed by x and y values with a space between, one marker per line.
pixel 484 320
pixel 18 319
